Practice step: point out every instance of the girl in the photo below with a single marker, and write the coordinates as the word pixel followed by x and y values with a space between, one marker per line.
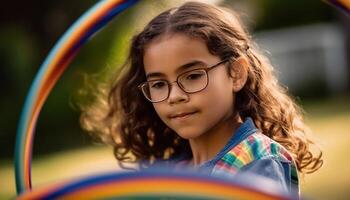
pixel 195 91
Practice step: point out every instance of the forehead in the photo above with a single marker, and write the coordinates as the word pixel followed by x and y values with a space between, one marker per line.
pixel 167 53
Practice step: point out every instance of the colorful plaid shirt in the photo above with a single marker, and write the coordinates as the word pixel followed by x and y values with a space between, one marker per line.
pixel 250 151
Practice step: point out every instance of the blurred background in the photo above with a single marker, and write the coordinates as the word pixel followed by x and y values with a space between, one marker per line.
pixel 307 41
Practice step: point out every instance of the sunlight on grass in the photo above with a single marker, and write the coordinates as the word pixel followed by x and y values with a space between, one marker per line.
pixel 333 179
pixel 329 121
pixel 61 166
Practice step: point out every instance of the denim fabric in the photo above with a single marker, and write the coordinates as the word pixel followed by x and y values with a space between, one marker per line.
pixel 246 129
pixel 273 169
pixel 270 167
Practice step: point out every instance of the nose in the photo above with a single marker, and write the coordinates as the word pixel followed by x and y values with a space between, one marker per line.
pixel 176 94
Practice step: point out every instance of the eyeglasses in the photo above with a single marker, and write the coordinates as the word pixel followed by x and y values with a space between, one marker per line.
pixel 190 82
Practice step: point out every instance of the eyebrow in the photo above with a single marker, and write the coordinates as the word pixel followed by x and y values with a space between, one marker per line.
pixel 181 68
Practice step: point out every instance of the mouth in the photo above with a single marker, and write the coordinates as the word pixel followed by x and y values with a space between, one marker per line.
pixel 182 115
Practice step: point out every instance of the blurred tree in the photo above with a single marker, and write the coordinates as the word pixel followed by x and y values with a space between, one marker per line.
pixel 26 37
pixel 276 14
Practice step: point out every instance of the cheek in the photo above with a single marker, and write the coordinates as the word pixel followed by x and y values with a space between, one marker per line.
pixel 219 101
pixel 160 110
pixel 219 97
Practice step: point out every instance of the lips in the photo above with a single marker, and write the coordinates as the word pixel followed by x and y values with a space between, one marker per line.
pixel 181 115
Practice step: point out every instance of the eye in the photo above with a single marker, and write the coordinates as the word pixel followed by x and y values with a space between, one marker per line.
pixel 157 84
pixel 195 75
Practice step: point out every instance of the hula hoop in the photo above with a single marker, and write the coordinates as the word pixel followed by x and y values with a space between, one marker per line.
pixel 50 71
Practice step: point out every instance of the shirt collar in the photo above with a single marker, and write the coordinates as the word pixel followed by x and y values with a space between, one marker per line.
pixel 246 129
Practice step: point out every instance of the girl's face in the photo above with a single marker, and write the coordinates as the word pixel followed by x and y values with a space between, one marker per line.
pixel 189 115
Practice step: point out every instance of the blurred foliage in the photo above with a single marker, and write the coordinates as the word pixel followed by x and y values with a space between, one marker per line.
pixel 29 30
pixel 24 48
pixel 274 14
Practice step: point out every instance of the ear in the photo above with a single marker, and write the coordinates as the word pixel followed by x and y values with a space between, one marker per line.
pixel 239 73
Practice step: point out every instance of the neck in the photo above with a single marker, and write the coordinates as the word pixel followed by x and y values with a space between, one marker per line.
pixel 208 145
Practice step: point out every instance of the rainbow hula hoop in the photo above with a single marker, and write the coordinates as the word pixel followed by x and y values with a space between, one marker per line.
pixel 50 71
pixel 160 184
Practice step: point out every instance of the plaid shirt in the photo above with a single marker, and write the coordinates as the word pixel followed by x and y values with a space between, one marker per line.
pixel 249 151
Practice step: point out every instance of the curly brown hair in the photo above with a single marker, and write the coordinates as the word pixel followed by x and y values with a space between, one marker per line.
pixel 122 117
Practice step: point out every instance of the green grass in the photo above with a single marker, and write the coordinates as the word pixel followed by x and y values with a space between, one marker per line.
pixel 59 167
pixel 329 120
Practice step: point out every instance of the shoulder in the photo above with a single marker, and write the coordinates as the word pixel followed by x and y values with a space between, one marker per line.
pixel 260 155
pixel 258 152
pixel 255 147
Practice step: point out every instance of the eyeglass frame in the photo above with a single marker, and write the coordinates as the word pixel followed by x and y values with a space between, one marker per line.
pixel 206 69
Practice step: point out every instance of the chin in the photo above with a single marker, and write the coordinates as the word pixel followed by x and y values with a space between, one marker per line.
pixel 189 133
